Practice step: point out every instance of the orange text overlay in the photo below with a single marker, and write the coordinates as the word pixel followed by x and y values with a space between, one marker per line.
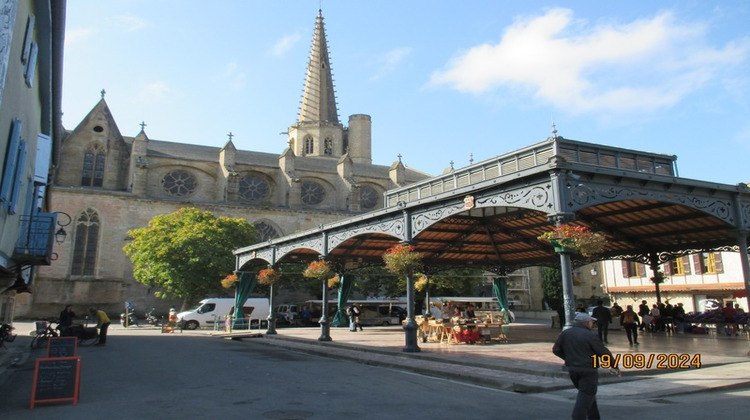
pixel 647 361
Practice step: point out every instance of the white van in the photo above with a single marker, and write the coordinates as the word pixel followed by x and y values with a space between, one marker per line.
pixel 213 310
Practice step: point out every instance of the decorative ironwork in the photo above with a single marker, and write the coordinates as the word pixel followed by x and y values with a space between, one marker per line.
pixel 587 194
pixel 393 227
pixel 537 197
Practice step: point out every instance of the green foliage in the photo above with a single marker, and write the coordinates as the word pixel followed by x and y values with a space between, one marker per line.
pixel 552 287
pixel 188 252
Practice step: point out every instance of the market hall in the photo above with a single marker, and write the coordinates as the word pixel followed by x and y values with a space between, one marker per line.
pixel 490 215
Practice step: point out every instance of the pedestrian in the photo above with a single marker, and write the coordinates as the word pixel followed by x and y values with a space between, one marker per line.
pixel 102 322
pixel 629 320
pixel 615 310
pixel 580 348
pixel 171 321
pixel 352 322
pixel 66 318
pixel 357 312
pixel 729 319
pixel 642 312
pixel 604 318
pixel 435 311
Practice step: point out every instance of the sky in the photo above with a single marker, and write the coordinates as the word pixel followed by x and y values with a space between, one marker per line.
pixel 443 81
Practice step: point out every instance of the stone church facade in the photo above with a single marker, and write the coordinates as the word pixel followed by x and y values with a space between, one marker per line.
pixel 109 183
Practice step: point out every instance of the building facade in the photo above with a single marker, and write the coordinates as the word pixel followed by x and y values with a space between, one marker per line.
pixel 693 280
pixel 31 36
pixel 109 183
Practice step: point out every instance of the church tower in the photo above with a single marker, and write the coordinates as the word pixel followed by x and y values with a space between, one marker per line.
pixel 318 131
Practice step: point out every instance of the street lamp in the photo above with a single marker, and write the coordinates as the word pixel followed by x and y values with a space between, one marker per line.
pixel 61 234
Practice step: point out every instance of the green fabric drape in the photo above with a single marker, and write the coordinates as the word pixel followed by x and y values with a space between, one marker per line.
pixel 500 287
pixel 341 319
pixel 245 286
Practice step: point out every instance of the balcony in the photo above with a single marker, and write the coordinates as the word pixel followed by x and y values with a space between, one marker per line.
pixel 36 239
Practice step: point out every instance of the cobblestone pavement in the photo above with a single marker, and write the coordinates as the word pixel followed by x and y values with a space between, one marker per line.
pixel 524 363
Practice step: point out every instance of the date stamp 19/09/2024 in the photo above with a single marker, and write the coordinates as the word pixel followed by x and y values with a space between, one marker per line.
pixel 647 361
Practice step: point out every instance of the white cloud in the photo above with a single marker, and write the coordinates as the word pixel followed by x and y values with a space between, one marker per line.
pixel 73 36
pixel 639 66
pixel 285 44
pixel 130 22
pixel 153 92
pixel 233 75
pixel 390 60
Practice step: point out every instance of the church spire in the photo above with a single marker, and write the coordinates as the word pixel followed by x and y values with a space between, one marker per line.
pixel 318 98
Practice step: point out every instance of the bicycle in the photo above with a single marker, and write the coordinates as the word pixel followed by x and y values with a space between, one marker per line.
pixel 42 334
pixel 6 334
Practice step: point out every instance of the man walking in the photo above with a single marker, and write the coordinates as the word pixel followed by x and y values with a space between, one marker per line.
pixel 629 321
pixel 603 319
pixel 643 310
pixel 581 349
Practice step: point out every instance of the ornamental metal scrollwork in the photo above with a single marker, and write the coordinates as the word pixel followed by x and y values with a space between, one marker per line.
pixel 586 195
pixel 393 227
pixel 316 244
pixel 746 214
pixel 421 221
pixel 534 198
pixel 718 208
pixel 264 255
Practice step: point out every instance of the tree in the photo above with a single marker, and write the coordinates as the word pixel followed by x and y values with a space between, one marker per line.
pixel 552 287
pixel 187 253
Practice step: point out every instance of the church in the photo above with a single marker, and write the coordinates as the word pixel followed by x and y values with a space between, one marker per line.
pixel 105 183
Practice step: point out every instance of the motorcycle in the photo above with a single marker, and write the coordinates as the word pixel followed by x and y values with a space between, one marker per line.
pixel 151 318
pixel 128 317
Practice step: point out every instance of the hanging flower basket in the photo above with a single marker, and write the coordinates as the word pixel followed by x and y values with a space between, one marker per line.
pixel 268 276
pixel 402 259
pixel 571 238
pixel 334 282
pixel 229 281
pixel 320 270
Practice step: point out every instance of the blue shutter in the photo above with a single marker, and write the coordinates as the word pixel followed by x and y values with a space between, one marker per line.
pixel 20 166
pixel 10 161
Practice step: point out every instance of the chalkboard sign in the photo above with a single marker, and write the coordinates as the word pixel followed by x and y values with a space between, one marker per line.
pixel 62 346
pixel 56 379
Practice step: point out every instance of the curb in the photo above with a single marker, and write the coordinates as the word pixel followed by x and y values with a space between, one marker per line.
pixel 521 382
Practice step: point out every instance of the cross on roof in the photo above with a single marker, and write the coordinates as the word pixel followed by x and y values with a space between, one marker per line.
pixel 230 135
pixel 103 92
pixel 143 125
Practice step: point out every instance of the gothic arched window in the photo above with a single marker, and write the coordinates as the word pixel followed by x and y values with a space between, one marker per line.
pixel 309 146
pixel 86 243
pixel 368 197
pixel 264 232
pixel 328 146
pixel 312 192
pixel 253 188
pixel 93 166
pixel 179 183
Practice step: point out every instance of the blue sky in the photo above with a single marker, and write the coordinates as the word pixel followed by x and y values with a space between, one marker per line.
pixel 442 80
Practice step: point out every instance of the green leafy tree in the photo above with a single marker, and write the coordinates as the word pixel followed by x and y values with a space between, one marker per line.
pixel 187 253
pixel 552 287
